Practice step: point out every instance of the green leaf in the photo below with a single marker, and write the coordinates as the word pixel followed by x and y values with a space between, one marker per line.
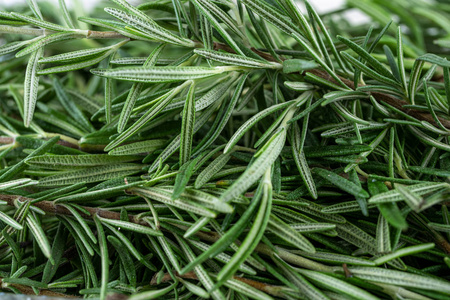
pixel 383 236
pixel 337 285
pixel 74 66
pixel 131 226
pixel 175 144
pixel 57 253
pixel 207 9
pixel 94 174
pixel 371 61
pixel 187 126
pixel 223 257
pixel 246 289
pixel 135 91
pixel 10 221
pixel 102 192
pixel 236 60
pixel 439 227
pixel 159 105
pixel 268 155
pixel 419 189
pixel 254 235
pixel 251 122
pixel 298 65
pixel 74 56
pixel 215 94
pixel 138 148
pixel 166 198
pixel 202 198
pixel 19 167
pixel 299 281
pixel 25 282
pixel 341 183
pixel 202 274
pixel 41 23
pixel 356 236
pixel 434 59
pixel 66 14
pixel 196 290
pixel 403 252
pixel 125 258
pixel 270 14
pixel 69 161
pixel 317 58
pixel 31 86
pixel 46 40
pixel 215 166
pixel 162 74
pixel 227 238
pixel 153 294
pixel 16 183
pixel 225 114
pixel 13 46
pixel 35 9
pixel 40 237
pixel 302 165
pixel 150 29
pixel 412 199
pixel 369 72
pixel 299 86
pixel 289 234
pixel 334 258
pixel 183 176
pixel 71 108
pixel 104 254
pixel 401 279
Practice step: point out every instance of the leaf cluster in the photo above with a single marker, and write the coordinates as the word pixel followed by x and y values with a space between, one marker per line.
pixel 225 149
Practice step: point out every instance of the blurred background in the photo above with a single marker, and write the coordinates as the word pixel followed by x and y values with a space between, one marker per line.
pixel 322 6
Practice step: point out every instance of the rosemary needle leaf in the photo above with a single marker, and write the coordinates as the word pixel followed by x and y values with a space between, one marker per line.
pixel 225 149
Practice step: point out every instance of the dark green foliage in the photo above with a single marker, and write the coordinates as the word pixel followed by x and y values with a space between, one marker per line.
pixel 225 149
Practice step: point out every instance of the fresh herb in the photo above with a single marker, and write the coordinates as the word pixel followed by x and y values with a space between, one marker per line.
pixel 225 149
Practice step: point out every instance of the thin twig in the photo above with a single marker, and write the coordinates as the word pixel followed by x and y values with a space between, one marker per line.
pixel 50 207
pixel 267 288
pixel 29 291
pixel 381 97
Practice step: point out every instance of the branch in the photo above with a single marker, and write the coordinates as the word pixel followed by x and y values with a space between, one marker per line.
pixel 268 288
pixel 50 207
pixel 29 291
pixel 56 209
pixel 64 141
pixel 90 34
pixel 381 97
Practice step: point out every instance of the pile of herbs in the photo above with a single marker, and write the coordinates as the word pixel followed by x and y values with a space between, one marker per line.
pixel 225 149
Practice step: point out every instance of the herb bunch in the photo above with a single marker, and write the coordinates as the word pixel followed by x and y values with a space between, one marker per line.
pixel 225 149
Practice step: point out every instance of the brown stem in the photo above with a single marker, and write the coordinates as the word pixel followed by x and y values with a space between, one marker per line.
pixel 50 207
pixel 29 291
pixel 6 140
pixel 105 35
pixel 381 97
pixel 10 140
pixel 267 288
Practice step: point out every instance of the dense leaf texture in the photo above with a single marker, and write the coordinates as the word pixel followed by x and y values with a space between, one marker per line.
pixel 225 149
